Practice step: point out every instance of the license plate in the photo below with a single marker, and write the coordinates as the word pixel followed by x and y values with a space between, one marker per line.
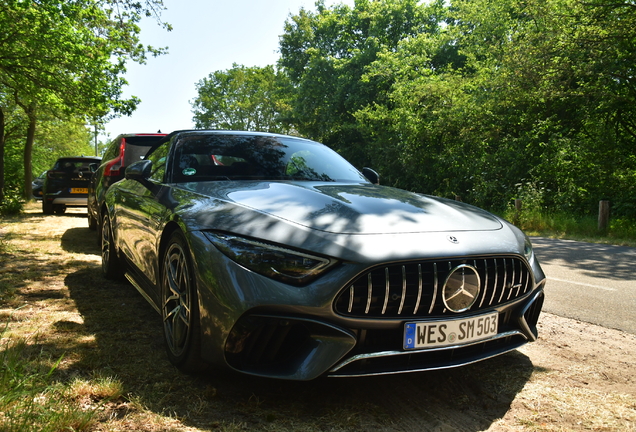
pixel 433 334
pixel 79 190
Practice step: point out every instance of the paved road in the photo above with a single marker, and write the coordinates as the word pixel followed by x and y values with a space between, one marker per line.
pixel 590 282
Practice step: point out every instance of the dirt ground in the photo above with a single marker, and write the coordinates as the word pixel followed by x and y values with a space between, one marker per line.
pixel 577 376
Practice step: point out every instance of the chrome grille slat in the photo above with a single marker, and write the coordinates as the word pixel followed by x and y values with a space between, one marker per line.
pixel 386 291
pixel 370 293
pixel 519 284
pixel 483 295
pixel 430 311
pixel 403 290
pixel 414 289
pixel 419 289
pixel 351 297
pixel 492 297
pixel 512 284
pixel 505 280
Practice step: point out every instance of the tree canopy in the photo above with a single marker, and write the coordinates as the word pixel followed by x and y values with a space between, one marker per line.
pixel 66 59
pixel 242 98
pixel 489 100
pixel 483 99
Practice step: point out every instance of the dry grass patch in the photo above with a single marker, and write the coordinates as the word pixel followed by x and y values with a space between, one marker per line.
pixel 83 353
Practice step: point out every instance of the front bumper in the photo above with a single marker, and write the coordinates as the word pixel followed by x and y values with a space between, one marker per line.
pixel 299 348
pixel 258 326
pixel 519 327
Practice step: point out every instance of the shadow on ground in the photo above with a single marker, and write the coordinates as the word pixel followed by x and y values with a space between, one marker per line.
pixel 119 335
pixel 80 240
pixel 591 257
pixel 128 345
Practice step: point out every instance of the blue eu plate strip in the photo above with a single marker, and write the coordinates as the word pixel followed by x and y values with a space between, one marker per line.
pixel 409 336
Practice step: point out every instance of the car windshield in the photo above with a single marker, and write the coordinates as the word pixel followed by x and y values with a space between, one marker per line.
pixel 245 157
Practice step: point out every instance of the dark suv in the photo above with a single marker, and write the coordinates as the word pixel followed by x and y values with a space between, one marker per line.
pixel 66 184
pixel 121 152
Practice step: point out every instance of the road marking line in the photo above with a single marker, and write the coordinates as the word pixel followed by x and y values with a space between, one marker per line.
pixel 581 283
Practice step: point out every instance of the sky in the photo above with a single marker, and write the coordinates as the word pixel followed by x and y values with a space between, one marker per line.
pixel 207 36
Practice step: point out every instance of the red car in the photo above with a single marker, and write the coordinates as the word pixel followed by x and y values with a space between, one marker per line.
pixel 121 152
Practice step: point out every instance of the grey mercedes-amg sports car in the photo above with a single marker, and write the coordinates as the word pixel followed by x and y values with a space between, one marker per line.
pixel 273 256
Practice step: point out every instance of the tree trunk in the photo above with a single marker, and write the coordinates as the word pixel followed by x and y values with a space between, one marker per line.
pixel 28 153
pixel 1 156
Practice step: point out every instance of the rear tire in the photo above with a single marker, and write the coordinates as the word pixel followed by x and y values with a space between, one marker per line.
pixel 111 265
pixel 180 307
pixel 47 208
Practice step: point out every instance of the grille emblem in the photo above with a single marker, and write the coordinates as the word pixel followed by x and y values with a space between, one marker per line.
pixel 461 288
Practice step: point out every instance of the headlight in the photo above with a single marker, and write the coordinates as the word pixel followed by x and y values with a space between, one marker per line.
pixel 527 250
pixel 278 263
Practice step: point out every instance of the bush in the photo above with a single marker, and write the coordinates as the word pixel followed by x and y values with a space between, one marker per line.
pixel 13 202
pixel 565 225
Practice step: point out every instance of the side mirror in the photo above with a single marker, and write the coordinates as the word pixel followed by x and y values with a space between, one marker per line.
pixel 139 170
pixel 371 175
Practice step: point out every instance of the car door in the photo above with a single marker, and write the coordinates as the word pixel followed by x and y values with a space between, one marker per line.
pixel 139 217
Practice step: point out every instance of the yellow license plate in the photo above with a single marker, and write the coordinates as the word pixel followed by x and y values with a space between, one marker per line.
pixel 79 190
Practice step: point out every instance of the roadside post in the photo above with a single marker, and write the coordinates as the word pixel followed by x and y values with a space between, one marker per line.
pixel 603 215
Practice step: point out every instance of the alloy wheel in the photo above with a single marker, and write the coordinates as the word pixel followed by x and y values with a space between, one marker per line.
pixel 177 300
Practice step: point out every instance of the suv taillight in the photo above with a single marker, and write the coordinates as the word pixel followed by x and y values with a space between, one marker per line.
pixel 114 166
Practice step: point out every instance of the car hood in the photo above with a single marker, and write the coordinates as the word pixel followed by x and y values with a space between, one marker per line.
pixel 342 208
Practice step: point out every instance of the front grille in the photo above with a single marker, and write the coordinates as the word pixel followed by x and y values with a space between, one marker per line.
pixel 411 290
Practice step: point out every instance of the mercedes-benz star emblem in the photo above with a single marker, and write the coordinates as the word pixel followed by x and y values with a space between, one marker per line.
pixel 461 288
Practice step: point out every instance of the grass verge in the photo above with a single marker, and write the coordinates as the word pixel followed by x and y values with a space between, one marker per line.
pixel 30 399
pixel 79 353
pixel 621 232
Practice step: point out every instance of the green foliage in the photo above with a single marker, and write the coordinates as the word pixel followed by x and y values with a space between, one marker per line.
pixel 242 98
pixel 474 97
pixel 12 202
pixel 325 53
pixel 65 59
pixel 622 231
pixel 465 98
pixel 70 54
pixel 56 138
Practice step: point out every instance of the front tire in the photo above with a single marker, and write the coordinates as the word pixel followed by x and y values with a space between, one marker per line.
pixel 111 265
pixel 179 306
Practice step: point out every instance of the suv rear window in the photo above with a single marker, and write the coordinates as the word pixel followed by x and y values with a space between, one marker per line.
pixel 137 147
pixel 73 165
pixel 135 153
